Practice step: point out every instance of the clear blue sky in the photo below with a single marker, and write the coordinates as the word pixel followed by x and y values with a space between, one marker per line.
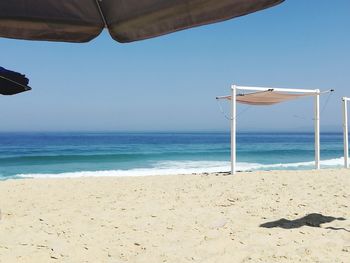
pixel 170 82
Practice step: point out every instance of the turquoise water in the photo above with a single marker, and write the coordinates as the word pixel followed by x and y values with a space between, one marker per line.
pixel 126 154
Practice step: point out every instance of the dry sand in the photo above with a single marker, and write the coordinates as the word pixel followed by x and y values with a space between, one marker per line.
pixel 191 218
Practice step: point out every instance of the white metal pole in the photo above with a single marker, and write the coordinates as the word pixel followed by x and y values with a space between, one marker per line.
pixel 346 134
pixel 317 130
pixel 233 129
pixel 277 89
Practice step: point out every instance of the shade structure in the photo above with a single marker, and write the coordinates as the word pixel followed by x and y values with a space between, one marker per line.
pixel 126 20
pixel 12 82
pixel 268 97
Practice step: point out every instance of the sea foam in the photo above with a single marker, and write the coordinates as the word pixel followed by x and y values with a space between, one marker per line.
pixel 187 167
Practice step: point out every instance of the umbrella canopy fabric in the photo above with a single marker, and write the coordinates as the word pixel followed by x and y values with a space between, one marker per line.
pixel 12 82
pixel 127 20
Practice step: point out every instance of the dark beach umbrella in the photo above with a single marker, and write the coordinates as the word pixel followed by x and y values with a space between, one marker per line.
pixel 126 20
pixel 12 82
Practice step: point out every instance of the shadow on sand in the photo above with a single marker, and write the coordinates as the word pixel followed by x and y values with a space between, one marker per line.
pixel 311 220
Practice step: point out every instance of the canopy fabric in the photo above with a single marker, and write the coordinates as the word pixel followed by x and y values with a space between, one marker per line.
pixel 268 97
pixel 55 20
pixel 12 82
pixel 127 20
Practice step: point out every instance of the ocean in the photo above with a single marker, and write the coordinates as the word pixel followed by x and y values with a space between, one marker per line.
pixel 77 154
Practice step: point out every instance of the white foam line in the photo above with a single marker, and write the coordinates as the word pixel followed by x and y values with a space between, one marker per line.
pixel 185 167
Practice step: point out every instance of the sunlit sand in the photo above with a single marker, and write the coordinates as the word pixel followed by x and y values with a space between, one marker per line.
pixel 294 216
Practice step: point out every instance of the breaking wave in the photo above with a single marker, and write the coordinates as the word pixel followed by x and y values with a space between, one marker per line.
pixel 187 167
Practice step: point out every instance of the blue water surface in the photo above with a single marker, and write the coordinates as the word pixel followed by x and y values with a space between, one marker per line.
pixel 58 153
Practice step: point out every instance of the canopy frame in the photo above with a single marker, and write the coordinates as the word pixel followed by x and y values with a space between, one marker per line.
pixel 313 92
pixel 346 131
pixel 101 13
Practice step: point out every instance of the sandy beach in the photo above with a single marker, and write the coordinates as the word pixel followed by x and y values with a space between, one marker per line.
pixel 278 216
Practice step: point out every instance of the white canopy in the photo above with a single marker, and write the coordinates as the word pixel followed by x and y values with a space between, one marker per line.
pixel 268 97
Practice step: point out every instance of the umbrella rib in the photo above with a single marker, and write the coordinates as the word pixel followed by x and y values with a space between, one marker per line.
pixel 24 86
pixel 101 13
